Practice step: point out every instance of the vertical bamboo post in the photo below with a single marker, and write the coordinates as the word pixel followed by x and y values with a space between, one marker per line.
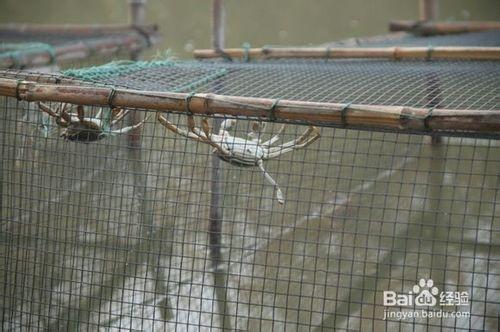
pixel 218 21
pixel 428 10
pixel 216 214
pixel 137 17
pixel 217 189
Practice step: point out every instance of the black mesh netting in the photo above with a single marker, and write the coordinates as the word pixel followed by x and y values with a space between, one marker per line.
pixel 151 231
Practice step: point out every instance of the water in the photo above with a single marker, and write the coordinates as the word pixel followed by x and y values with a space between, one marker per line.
pixel 185 24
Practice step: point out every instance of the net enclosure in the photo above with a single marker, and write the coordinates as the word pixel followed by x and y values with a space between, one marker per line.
pixel 33 45
pixel 289 194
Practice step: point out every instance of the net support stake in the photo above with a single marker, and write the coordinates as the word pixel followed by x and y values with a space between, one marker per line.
pixel 217 189
pixel 428 10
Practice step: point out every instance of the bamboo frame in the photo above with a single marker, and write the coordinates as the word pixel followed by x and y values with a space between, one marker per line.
pixel 356 116
pixel 428 10
pixel 102 46
pixel 442 28
pixel 76 29
pixel 393 53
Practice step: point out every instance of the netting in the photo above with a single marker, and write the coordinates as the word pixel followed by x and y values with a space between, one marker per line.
pixel 484 38
pixel 31 46
pixel 164 235
pixel 443 84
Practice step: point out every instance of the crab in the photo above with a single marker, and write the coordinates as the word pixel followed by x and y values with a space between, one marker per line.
pixel 240 151
pixel 88 129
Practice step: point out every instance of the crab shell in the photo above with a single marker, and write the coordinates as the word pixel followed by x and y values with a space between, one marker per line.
pixel 243 152
pixel 86 131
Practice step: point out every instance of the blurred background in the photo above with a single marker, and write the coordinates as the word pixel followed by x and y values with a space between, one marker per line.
pixel 185 24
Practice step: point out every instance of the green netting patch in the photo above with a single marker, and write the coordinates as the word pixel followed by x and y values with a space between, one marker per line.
pixel 16 51
pixel 155 75
pixel 115 68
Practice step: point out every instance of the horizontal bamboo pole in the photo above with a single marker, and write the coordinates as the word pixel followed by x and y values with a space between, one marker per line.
pixel 360 41
pixel 73 51
pixel 395 53
pixel 442 28
pixel 375 117
pixel 75 29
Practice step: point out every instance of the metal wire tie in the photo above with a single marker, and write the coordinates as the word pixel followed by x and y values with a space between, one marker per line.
pixel 430 50
pixel 187 100
pixel 427 118
pixel 111 96
pixel 272 110
pixel 18 96
pixel 224 55
pixel 246 52
pixel 343 112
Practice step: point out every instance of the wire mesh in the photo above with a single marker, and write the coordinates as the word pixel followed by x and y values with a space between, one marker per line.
pixel 443 84
pixel 111 236
pixel 484 38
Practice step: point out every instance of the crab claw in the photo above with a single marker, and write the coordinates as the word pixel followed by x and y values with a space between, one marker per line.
pixel 227 124
pixel 206 127
pixel 191 124
pixel 279 194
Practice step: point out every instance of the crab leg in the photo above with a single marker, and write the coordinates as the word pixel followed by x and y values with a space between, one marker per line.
pixel 275 138
pixel 170 126
pixel 99 114
pixel 121 114
pixel 66 118
pixel 304 140
pixel 279 193
pixel 80 111
pixel 205 136
pixel 129 128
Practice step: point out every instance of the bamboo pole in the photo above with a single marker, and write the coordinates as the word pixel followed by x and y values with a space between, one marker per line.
pixel 218 24
pixel 356 116
pixel 216 214
pixel 428 10
pixel 393 53
pixel 76 29
pixel 78 50
pixel 442 28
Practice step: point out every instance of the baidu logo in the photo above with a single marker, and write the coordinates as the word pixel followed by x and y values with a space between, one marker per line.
pixel 429 301
pixel 422 294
